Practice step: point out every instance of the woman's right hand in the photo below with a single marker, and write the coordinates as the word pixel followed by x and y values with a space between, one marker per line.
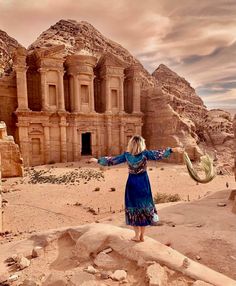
pixel 93 160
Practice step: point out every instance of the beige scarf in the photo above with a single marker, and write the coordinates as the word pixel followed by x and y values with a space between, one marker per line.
pixel 207 165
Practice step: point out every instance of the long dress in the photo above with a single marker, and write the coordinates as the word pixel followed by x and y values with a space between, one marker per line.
pixel 139 205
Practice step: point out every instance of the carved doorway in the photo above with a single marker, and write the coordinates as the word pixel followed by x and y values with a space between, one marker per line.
pixel 86 144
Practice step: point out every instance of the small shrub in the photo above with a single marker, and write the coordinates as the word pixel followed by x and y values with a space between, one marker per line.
pixel 113 189
pixel 165 198
pixel 96 189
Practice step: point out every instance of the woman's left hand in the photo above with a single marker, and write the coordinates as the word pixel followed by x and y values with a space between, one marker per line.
pixel 178 149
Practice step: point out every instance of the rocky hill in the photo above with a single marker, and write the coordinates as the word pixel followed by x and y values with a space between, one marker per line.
pixel 211 129
pixel 7 47
pixel 82 37
pixel 182 97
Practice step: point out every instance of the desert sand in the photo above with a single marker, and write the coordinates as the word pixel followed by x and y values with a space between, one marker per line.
pixel 194 221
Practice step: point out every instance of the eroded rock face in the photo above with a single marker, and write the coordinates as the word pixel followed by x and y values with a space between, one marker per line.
pixel 163 126
pixel 234 126
pixel 197 126
pixel 7 46
pixel 218 128
pixel 1 226
pixel 11 161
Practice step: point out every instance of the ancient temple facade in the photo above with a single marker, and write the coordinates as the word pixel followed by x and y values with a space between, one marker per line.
pixel 74 106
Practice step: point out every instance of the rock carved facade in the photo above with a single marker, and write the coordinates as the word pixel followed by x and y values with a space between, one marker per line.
pixel 75 105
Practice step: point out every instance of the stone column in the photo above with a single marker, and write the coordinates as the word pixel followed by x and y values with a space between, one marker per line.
pixel 121 99
pixel 75 144
pixel 98 142
pixel 138 128
pixel 44 90
pixel 21 84
pixel 136 95
pixel 91 101
pixel 76 94
pixel 24 143
pixel 61 97
pixel 94 144
pixel 46 130
pixel 71 96
pixel 109 136
pixel 63 126
pixel 108 94
pixel 122 137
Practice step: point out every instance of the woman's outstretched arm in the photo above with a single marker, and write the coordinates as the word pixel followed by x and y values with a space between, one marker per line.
pixel 161 153
pixel 110 161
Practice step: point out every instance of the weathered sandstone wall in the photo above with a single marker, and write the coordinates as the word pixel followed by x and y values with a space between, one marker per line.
pixel 0 194
pixel 12 164
pixel 234 126
pixel 163 126
pixel 8 103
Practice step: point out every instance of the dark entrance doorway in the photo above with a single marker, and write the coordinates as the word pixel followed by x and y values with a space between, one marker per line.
pixel 86 144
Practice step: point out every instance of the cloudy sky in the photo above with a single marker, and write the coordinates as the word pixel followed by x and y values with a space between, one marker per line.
pixel 195 38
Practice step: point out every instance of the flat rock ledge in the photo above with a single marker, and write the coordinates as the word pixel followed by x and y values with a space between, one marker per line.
pixel 101 254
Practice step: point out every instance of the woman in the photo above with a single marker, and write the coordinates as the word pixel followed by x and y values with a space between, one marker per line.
pixel 139 205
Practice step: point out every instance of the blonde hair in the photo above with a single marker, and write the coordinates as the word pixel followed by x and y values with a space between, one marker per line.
pixel 136 145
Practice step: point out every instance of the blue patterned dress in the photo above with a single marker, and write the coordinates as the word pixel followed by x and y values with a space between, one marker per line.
pixel 139 205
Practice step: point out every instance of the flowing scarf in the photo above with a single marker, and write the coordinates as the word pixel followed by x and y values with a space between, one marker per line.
pixel 206 164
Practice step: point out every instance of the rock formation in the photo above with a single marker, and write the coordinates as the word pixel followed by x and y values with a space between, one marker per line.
pixel 67 254
pixel 211 130
pixel 11 161
pixel 235 146
pixel 8 99
pixel 7 47
pixel 82 37
pixel 173 114
pixel 1 226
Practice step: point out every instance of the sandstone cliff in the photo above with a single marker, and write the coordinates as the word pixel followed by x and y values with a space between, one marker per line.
pixel 7 46
pixel 211 130
pixel 235 147
pixel 11 161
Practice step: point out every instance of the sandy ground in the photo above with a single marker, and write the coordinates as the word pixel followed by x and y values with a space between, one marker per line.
pixel 198 227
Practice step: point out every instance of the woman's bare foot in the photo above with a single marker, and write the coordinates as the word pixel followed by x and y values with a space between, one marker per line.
pixel 136 239
pixel 141 237
pixel 168 243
